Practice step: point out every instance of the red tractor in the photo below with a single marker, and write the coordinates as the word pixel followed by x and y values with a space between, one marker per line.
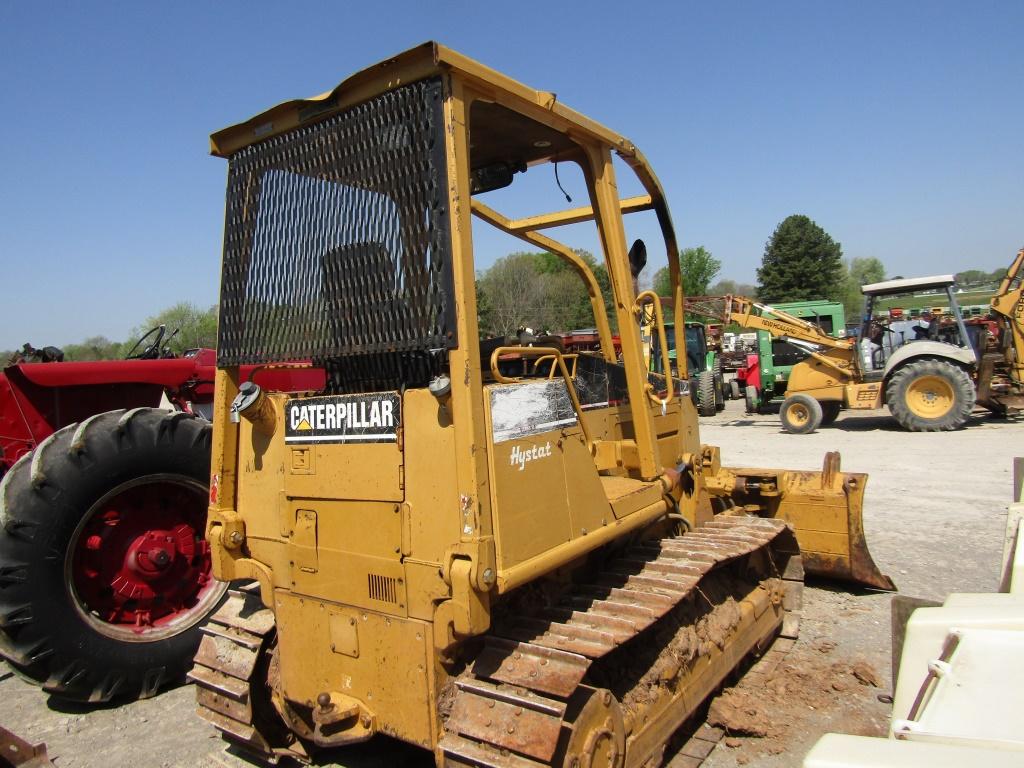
pixel 104 568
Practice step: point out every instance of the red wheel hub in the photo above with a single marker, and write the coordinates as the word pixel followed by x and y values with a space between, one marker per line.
pixel 139 560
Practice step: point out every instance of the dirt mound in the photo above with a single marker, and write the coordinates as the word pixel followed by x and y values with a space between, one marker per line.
pixel 764 705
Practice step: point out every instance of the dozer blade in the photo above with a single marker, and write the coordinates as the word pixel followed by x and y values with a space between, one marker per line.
pixel 825 509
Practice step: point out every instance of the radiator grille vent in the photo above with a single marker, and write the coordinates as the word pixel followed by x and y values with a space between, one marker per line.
pixel 383 588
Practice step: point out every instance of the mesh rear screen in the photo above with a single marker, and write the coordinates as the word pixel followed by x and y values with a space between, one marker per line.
pixel 336 238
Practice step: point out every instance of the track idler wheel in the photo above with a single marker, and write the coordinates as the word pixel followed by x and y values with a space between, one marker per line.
pixel 598 735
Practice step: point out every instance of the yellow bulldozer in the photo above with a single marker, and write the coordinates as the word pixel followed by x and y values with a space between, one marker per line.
pixel 501 570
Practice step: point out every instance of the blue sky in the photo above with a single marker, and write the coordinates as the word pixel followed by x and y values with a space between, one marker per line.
pixel 896 126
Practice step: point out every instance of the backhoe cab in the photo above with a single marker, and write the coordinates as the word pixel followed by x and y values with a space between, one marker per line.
pixel 451 549
pixel 922 366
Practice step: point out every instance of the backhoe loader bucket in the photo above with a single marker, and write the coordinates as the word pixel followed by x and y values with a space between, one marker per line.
pixel 824 508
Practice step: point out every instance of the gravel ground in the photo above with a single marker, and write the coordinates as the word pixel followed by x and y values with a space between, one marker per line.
pixel 934 513
pixel 935 516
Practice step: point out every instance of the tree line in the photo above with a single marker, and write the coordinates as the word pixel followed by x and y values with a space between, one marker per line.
pixel 539 291
pixel 196 326
pixel 801 262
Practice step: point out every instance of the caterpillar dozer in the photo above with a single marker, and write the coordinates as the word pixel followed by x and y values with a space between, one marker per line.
pixel 501 570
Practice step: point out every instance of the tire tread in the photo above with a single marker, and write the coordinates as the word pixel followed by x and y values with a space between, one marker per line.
pixel 39 632
pixel 957 377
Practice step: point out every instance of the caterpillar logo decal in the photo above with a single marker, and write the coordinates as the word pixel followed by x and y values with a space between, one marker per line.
pixel 369 418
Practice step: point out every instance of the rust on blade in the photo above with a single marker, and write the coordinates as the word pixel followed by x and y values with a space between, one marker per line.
pixel 825 509
pixel 18 753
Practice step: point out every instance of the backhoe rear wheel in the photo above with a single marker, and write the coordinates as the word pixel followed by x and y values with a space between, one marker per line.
pixel 105 572
pixel 930 396
pixel 800 414
pixel 706 394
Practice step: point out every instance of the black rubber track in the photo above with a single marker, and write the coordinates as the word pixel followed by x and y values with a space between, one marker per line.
pixel 42 500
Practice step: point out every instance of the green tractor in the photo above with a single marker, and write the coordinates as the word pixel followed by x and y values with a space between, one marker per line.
pixel 703 365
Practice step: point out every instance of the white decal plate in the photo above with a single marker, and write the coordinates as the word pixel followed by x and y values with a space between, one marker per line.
pixel 530 408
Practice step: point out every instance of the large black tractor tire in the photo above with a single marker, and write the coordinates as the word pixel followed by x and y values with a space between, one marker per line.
pixel 830 411
pixel 716 371
pixel 800 414
pixel 930 396
pixel 752 399
pixel 692 385
pixel 706 394
pixel 734 388
pixel 104 568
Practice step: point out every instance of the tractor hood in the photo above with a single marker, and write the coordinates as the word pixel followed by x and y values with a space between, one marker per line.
pixel 171 372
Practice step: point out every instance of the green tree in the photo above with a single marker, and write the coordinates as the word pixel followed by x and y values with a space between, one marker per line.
pixel 970 278
pixel 484 309
pixel 537 290
pixel 661 282
pixel 95 348
pixel 732 287
pixel 697 268
pixel 513 293
pixel 195 326
pixel 859 271
pixel 801 262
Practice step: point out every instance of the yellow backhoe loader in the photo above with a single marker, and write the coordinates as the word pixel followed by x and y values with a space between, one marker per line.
pixel 1001 369
pixel 930 374
pixel 502 570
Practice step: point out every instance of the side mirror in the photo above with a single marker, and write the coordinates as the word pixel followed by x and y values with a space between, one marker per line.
pixel 637 257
